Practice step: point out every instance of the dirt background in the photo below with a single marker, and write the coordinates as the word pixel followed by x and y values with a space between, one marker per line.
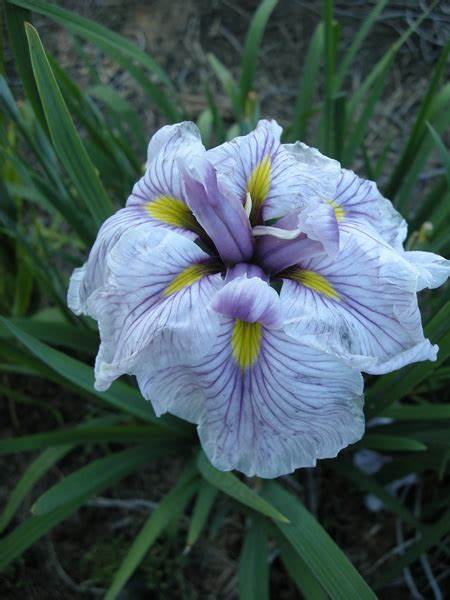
pixel 80 556
pixel 180 34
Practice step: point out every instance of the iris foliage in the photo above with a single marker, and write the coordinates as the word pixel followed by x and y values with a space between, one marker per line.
pixel 69 157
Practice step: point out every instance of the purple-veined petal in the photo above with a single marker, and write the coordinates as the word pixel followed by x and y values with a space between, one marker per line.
pixel 154 307
pixel 292 407
pixel 159 192
pixel 157 198
pixel 277 406
pixel 352 198
pixel 362 305
pixel 359 201
pixel 88 278
pixel 221 214
pixel 257 163
pixel 319 173
pixel 249 298
pixel 432 270
pixel 173 389
pixel 319 223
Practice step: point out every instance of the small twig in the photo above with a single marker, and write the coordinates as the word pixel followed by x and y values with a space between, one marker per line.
pixel 409 580
pixel 295 485
pixel 424 558
pixel 431 578
pixel 67 580
pixel 136 504
pixel 399 549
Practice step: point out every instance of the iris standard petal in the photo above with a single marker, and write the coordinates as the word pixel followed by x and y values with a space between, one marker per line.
pixel 258 164
pixel 362 305
pixel 432 270
pixel 221 214
pixel 154 307
pixel 159 193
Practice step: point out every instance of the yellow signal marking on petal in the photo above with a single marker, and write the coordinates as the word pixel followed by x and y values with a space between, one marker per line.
pixel 339 212
pixel 172 211
pixel 313 281
pixel 246 342
pixel 188 277
pixel 258 183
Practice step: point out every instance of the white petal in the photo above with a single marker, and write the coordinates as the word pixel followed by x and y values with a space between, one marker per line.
pixel 87 279
pixel 160 189
pixel 282 186
pixel 185 136
pixel 320 225
pixel 362 203
pixel 361 305
pixel 160 182
pixel 432 270
pixel 174 390
pixel 144 315
pixel 321 172
pixel 294 405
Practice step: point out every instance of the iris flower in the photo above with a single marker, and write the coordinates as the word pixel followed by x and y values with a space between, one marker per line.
pixel 246 287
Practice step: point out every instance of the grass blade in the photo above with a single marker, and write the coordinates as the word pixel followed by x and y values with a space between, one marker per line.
pixel 16 18
pixel 443 152
pixel 202 509
pixel 95 33
pixel 369 485
pixel 116 46
pixel 253 563
pixel 44 154
pixel 85 435
pixel 57 333
pixel 299 572
pixel 232 486
pixel 356 44
pixel 357 133
pixel 328 108
pixel 120 395
pixel 307 85
pixel 311 542
pixel 37 469
pixel 66 141
pixel 386 58
pixel 170 508
pixel 31 530
pixel 227 82
pixel 419 126
pixel 421 412
pixel 440 119
pixel 391 443
pixel 251 49
pixel 95 477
